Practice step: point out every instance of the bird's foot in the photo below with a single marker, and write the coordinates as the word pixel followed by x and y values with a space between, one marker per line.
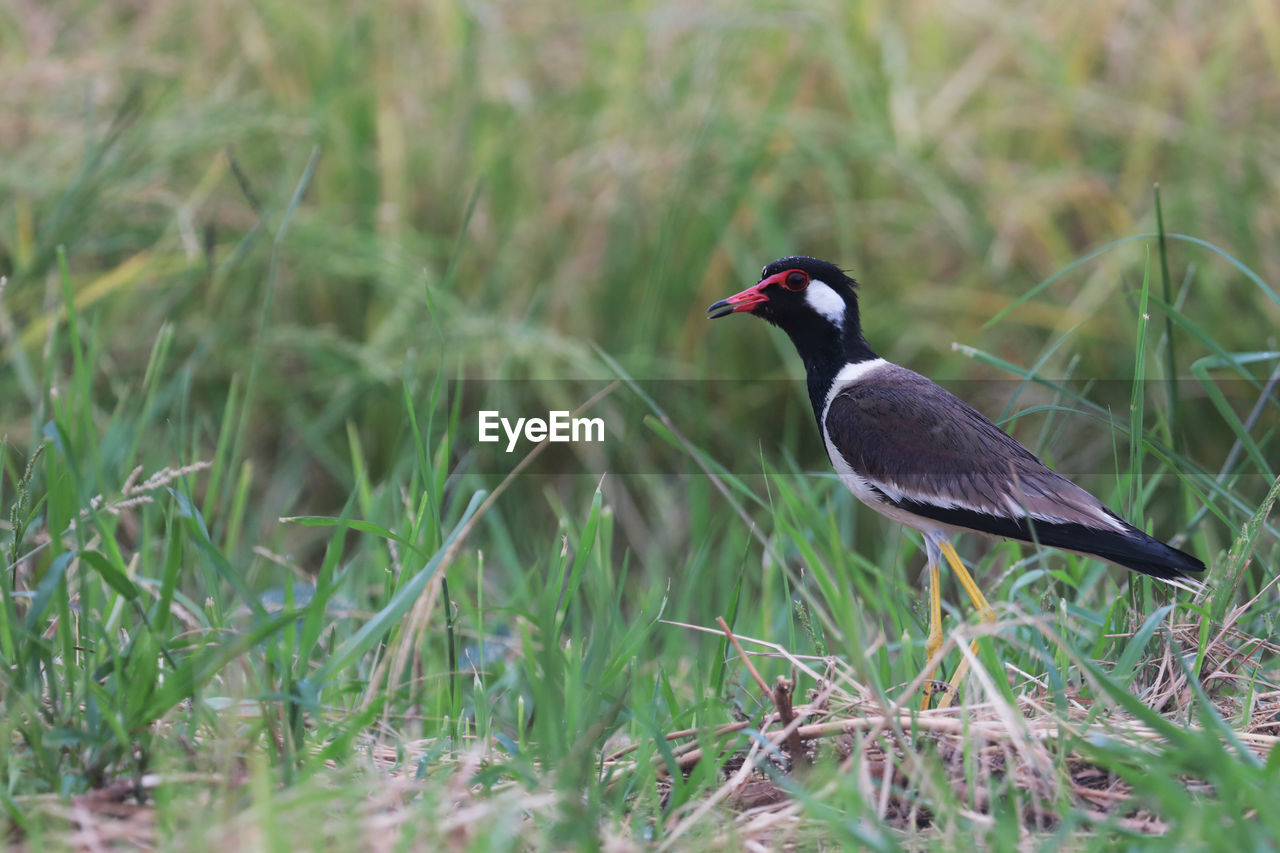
pixel 946 693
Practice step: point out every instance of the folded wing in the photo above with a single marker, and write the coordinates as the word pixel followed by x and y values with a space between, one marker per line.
pixel 925 451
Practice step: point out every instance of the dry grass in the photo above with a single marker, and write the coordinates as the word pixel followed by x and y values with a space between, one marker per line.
pixel 988 748
pixel 1032 754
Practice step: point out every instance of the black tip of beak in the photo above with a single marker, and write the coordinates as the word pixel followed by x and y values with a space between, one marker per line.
pixel 721 309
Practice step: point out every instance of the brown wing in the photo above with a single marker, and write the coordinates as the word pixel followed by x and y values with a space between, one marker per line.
pixel 931 454
pixel 914 440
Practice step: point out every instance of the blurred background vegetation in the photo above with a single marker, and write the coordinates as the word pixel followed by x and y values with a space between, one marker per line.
pixel 501 185
pixel 501 190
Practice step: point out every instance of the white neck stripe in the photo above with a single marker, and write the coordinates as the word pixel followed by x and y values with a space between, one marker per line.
pixel 849 374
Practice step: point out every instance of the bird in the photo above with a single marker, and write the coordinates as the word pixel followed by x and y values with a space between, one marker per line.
pixel 918 454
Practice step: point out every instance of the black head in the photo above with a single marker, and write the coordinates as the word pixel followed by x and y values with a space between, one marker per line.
pixel 796 292
pixel 814 302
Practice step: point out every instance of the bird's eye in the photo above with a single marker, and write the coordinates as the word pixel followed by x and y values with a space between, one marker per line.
pixel 795 281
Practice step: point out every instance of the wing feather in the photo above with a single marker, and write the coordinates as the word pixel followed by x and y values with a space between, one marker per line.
pixel 920 451
pixel 915 441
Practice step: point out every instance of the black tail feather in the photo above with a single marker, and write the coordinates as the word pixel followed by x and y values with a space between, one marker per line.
pixel 1132 549
pixel 1129 547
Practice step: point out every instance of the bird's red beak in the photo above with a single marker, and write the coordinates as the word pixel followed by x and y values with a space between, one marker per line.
pixel 744 301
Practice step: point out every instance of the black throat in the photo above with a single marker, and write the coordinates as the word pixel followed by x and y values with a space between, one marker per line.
pixel 825 350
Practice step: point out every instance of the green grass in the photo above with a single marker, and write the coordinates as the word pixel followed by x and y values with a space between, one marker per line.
pixel 261 588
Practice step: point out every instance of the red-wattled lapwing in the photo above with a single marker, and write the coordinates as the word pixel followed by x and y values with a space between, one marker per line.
pixel 918 454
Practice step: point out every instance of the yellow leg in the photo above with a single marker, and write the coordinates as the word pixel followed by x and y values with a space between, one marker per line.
pixel 967 581
pixel 984 611
pixel 934 642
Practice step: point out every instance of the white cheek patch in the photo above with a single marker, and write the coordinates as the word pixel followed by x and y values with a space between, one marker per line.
pixel 823 299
